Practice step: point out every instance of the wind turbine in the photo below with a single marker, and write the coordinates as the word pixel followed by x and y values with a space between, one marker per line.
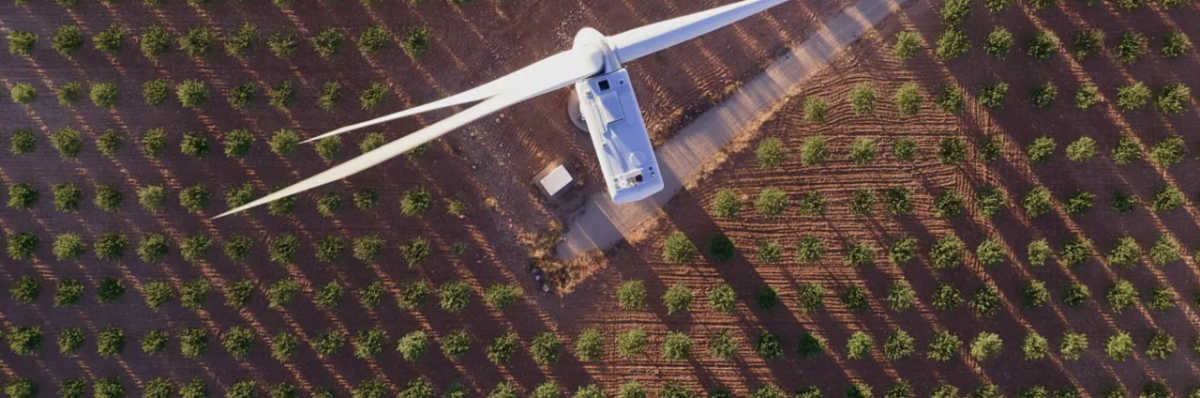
pixel 605 93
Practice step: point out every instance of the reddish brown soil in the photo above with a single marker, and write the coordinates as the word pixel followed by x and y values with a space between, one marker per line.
pixel 491 163
pixel 871 61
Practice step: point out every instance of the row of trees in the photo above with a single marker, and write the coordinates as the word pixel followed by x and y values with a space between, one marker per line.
pixel 193 93
pixel 156 40
pixel 453 296
pixel 988 201
pixel 69 197
pixel 160 387
pixel 984 301
pixel 547 349
pixel 155 248
pixel 814 150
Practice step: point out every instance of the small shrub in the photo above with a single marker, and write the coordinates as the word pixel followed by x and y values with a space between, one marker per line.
pixel 416 202
pixel 108 387
pixel 1165 250
pixel 1133 96
pixel 811 296
pixel 455 296
pixel 989 147
pixel 813 151
pixel 1173 99
pixel 238 143
pixel 986 345
pixel 109 142
pixel 194 198
pixel 194 294
pixel 239 42
pixel 197 42
pixel 951 99
pixel 908 99
pixel 944 346
pixel 947 252
pixel 67 40
pixel 69 246
pixel 946 297
pixel 677 346
pixel 191 93
pixel 816 109
pixel 69 292
pixel 986 301
pixel 546 348
pixel 67 197
pixel 193 343
pixel 281 95
pixel 373 96
pixel 23 141
pixel 110 342
pixel 678 298
pixel 1035 294
pixel 810 345
pixel 898 201
pixel 1087 96
pixel 855 299
pixel 1166 199
pixel 23 93
pixel 953 150
pixel 1126 253
pixel 590 345
pixel 70 340
pixel 22 245
pixel 327 42
pixel 1037 201
pixel 151 197
pixel 412 346
pixel 721 248
pixel 283 43
pixel 1162 298
pixel 284 142
pixel 21 42
pixel 282 248
pixel 373 39
pixel 1168 151
pixel 412 294
pixel 992 95
pixel 416 41
pixel 903 250
pixel 1043 95
pixel 1174 45
pixel 862 202
pixel 1076 294
pixel 899 345
pixel 998 42
pixel 109 291
pixel 631 343
pixel 771 153
pixel 859 345
pixel 952 44
pixel 1042 46
pixel 723 297
pixel 157 293
pixel 368 343
pixel 68 93
pixel 329 96
pixel 26 290
pixel 859 253
pixel 281 293
pixel 949 204
pixel 1079 203
pixel 1122 296
pixel 862 99
pixel 1159 345
pixel 1041 149
pixel 328 343
pixel 1131 47
pixel 907 44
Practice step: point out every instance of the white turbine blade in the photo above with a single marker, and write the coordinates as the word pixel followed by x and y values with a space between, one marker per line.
pixel 649 39
pixel 480 93
pixel 567 68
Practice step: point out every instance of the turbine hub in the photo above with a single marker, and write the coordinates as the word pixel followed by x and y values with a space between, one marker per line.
pixel 592 40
